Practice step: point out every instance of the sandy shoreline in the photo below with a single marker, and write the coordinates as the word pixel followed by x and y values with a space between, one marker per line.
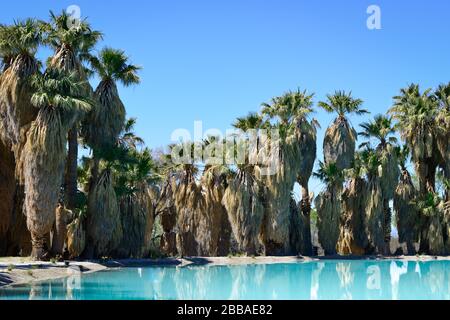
pixel 19 271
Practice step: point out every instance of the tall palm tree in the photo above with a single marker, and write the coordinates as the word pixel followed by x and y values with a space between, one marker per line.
pixel 340 137
pixel 382 130
pixel 59 97
pixel 328 206
pixel 293 109
pixel 416 114
pixel 18 46
pixel 72 45
pixel 442 94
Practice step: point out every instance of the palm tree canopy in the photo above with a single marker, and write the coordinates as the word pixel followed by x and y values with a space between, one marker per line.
pixel 113 65
pixel 370 161
pixel 79 37
pixel 413 109
pixel 329 173
pixel 342 103
pixel 60 90
pixel 416 115
pixel 442 93
pixel 252 121
pixel 291 106
pixel 380 128
pixel 22 38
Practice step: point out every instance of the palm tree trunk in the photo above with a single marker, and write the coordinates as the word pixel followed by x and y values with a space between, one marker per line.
pixel 59 231
pixel 71 169
pixel 387 227
pixel 306 211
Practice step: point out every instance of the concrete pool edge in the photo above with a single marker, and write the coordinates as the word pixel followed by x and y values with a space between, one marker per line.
pixel 24 272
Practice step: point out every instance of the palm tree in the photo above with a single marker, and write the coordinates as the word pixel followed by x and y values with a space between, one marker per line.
pixel 375 215
pixel 340 137
pixel 243 198
pixel 442 94
pixel 406 212
pixel 293 109
pixel 129 194
pixel 18 46
pixel 59 97
pixel 353 236
pixel 104 123
pixel 431 208
pixel 72 45
pixel 328 206
pixel 382 130
pixel 289 115
pixel 416 115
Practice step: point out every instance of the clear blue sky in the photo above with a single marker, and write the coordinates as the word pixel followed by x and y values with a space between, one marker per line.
pixel 216 60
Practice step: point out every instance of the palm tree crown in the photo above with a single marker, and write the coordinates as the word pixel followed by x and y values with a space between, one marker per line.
pixel 79 38
pixel 291 106
pixel 329 174
pixel 23 38
pixel 58 89
pixel 113 65
pixel 342 103
pixel 380 128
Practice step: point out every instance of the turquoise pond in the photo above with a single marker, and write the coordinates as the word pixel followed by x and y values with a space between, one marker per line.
pixel 331 279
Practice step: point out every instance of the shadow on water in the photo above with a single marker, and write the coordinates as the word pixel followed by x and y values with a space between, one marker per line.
pixel 5 279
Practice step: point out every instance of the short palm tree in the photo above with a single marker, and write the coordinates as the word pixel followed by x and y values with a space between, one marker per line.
pixel 328 206
pixel 382 130
pixel 244 196
pixel 375 215
pixel 340 137
pixel 406 212
pixel 353 236
pixel 59 97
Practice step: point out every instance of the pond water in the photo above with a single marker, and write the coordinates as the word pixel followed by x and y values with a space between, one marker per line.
pixel 328 279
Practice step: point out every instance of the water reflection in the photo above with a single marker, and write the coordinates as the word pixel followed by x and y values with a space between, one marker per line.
pixel 310 280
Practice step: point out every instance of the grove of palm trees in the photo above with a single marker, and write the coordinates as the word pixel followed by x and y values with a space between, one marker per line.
pixel 119 199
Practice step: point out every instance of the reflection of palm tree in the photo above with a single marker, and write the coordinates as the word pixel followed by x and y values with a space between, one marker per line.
pixel 346 276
